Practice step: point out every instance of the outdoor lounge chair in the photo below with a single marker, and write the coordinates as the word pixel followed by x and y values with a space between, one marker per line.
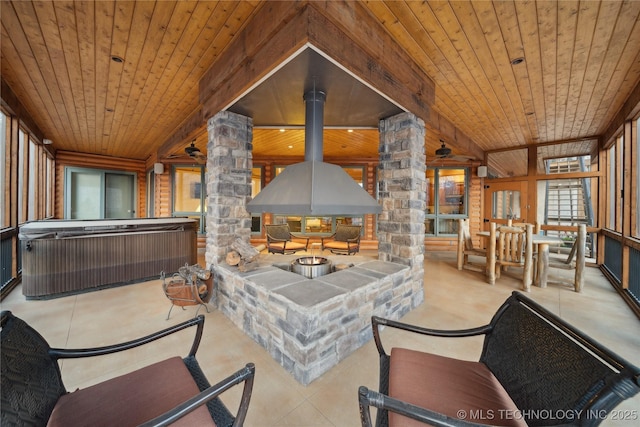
pixel 171 391
pixel 280 240
pixel 346 240
pixel 535 369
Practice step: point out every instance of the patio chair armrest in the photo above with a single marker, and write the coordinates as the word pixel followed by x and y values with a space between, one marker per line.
pixel 367 398
pixel 245 375
pixel 61 353
pixel 376 322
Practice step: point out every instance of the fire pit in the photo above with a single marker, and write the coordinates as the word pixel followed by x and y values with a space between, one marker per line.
pixel 311 266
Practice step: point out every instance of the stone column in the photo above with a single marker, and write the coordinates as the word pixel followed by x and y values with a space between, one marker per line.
pixel 402 190
pixel 229 163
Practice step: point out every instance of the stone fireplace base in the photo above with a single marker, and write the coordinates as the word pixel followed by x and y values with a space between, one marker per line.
pixel 309 325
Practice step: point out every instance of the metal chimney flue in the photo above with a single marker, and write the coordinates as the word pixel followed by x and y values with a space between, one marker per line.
pixel 314 187
pixel 314 125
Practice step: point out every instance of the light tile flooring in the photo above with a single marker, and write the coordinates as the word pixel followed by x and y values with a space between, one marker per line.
pixel 453 299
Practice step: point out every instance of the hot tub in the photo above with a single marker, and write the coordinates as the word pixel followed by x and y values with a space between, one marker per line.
pixel 61 257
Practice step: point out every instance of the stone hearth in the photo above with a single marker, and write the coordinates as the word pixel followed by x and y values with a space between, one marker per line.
pixel 309 325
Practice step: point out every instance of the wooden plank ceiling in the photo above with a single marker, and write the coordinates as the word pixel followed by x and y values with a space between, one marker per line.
pixel 580 62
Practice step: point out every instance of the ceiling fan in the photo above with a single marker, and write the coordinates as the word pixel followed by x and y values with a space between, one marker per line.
pixel 193 152
pixel 444 152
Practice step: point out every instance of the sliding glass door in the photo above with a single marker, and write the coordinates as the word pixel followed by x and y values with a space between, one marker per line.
pixel 98 194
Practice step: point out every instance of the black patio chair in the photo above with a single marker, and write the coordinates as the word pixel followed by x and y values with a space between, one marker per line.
pixel 174 390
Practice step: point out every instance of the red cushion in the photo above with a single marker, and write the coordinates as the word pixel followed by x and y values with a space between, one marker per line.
pixel 132 399
pixel 457 388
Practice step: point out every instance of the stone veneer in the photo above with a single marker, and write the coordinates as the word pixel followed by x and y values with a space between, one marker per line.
pixel 403 191
pixel 309 325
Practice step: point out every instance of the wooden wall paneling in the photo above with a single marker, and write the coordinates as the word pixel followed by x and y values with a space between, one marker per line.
pixel 68 158
pixel 163 195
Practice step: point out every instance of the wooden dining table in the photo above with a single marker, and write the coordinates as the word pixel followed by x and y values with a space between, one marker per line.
pixel 542 242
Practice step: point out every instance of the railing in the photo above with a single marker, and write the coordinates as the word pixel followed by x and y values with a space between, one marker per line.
pixel 634 274
pixel 613 257
pixel 9 277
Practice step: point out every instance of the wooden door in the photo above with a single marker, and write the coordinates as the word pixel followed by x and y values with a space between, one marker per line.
pixel 505 201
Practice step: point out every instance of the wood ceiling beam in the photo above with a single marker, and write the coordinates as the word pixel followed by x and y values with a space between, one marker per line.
pixel 344 31
pixel 274 34
pixel 351 36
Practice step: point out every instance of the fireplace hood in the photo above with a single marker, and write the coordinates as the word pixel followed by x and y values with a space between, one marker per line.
pixel 314 187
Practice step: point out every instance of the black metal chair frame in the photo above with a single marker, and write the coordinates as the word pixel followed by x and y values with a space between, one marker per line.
pixel 553 352
pixel 41 387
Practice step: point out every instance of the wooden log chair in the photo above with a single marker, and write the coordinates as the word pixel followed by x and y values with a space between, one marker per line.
pixel 534 369
pixel 280 240
pixel 345 240
pixel 467 249
pixel 575 260
pixel 174 390
pixel 515 249
pixel 191 285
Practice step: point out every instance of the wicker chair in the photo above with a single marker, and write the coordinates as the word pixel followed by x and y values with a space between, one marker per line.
pixel 171 391
pixel 280 240
pixel 346 240
pixel 534 369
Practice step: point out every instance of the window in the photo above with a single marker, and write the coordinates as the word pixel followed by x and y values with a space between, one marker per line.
pixel 256 186
pixel 151 192
pixel 4 166
pixel 614 180
pixel 636 181
pixel 446 200
pixel 189 198
pixel 322 224
pixel 22 176
pixel 99 194
pixel 316 224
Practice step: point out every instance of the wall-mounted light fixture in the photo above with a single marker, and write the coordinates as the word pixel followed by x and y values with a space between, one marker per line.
pixel 482 171
pixel 158 168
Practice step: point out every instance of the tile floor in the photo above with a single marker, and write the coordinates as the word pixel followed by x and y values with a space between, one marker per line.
pixel 453 300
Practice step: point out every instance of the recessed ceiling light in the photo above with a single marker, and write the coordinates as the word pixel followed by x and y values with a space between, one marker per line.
pixel 281 130
pixel 47 141
pixel 350 130
pixel 117 59
pixel 517 61
pixel 291 146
